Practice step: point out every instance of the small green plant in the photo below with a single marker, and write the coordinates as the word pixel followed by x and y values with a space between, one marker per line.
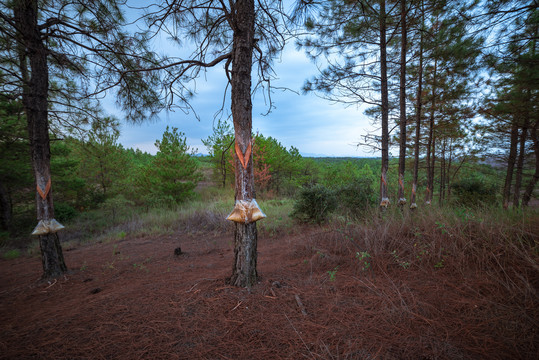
pixel 422 250
pixel 122 234
pixel 12 254
pixel 333 273
pixel 402 263
pixel 84 267
pixel 140 267
pixel 440 226
pixel 439 264
pixel 364 260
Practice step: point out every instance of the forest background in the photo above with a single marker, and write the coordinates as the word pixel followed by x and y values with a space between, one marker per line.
pixel 471 129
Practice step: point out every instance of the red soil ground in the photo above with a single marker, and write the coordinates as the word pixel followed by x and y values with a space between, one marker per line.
pixel 134 299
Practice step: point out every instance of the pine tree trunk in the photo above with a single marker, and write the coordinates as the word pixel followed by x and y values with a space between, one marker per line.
pixel 384 197
pixel 510 164
pixel 244 272
pixel 402 102
pixel 533 133
pixel 442 175
pixel 5 208
pixel 533 181
pixel 448 173
pixel 520 165
pixel 419 104
pixel 35 92
pixel 431 146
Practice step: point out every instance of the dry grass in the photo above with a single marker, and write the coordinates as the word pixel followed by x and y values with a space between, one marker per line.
pixel 484 270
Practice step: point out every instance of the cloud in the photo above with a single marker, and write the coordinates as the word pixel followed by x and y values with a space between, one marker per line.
pixel 307 122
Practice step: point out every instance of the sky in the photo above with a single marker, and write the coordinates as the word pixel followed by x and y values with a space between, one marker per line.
pixel 315 126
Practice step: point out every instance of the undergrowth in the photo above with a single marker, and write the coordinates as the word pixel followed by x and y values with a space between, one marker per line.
pixel 484 266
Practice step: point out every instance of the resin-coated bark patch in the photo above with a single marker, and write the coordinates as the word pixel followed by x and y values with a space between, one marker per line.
pixel 245 212
pixel 47 227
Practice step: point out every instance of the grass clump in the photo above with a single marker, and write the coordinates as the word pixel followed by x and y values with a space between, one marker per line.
pixel 12 254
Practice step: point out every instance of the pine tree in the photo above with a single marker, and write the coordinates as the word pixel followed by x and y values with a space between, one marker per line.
pixel 57 56
pixel 237 34
pixel 354 37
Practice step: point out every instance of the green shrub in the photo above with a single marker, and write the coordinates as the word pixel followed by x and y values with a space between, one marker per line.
pixel 356 197
pixel 315 204
pixel 64 212
pixel 12 254
pixel 474 191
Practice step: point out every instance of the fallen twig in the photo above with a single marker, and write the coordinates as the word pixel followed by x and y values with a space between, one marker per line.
pixel 54 283
pixel 237 306
pixel 300 304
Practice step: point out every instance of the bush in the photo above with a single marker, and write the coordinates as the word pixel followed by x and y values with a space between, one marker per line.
pixel 315 204
pixel 474 191
pixel 64 212
pixel 356 197
pixel 12 254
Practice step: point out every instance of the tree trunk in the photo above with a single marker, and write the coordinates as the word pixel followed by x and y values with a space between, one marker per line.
pixel 448 173
pixel 402 101
pixel 35 93
pixel 419 104
pixel 442 174
pixel 5 208
pixel 520 165
pixel 431 158
pixel 384 197
pixel 244 272
pixel 533 181
pixel 510 164
pixel 533 133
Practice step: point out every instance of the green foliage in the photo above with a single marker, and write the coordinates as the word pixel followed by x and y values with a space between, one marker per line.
pixel 218 144
pixel 115 204
pixel 103 161
pixel 474 191
pixel 364 259
pixel 15 167
pixel 172 175
pixel 275 167
pixel 11 254
pixel 333 273
pixel 64 212
pixel 314 204
pixel 278 164
pixel 68 186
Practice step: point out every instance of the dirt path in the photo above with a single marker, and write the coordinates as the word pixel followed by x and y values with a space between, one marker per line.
pixel 134 299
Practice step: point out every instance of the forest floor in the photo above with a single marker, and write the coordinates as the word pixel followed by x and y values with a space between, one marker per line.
pixel 135 299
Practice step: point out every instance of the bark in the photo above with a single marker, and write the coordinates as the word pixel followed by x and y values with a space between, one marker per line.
pixel 510 164
pixel 442 175
pixel 533 181
pixel 244 272
pixel 520 165
pixel 419 105
pixel 384 201
pixel 5 208
pixel 402 101
pixel 35 93
pixel 431 145
pixel 533 133
pixel 448 173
